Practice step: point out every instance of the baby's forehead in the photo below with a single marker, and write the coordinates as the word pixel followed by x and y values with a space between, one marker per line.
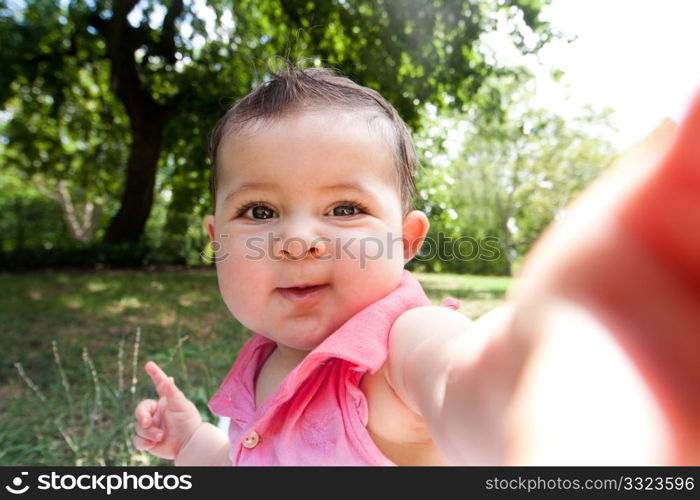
pixel 373 121
pixel 331 132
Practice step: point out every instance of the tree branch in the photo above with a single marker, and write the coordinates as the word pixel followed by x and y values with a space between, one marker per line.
pixel 122 8
pixel 166 47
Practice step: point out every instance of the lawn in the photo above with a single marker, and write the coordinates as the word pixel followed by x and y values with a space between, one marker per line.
pixel 81 339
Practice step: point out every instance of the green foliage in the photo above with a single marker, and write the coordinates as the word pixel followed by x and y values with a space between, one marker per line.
pixel 30 220
pixel 512 175
pixel 64 121
pixel 412 52
pixel 91 415
pixel 90 255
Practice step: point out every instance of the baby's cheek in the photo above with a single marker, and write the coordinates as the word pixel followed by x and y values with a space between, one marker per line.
pixel 370 268
pixel 241 292
pixel 253 248
pixel 372 252
pixel 240 271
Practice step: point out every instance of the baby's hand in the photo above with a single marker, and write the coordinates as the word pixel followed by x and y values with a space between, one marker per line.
pixel 164 426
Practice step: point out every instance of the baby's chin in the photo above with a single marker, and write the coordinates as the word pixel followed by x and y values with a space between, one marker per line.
pixel 300 334
pixel 305 336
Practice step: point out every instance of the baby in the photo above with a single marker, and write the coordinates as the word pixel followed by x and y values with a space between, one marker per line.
pixel 350 364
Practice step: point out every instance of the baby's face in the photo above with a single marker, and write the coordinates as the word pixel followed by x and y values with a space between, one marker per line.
pixel 310 200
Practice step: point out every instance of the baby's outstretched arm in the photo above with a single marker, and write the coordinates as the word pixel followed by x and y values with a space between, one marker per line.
pixel 570 396
pixel 597 359
pixel 172 428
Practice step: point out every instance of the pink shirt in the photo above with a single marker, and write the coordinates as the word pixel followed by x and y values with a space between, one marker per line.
pixel 318 415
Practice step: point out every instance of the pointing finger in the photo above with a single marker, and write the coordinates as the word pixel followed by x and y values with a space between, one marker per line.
pixel 157 375
pixel 176 400
pixel 166 388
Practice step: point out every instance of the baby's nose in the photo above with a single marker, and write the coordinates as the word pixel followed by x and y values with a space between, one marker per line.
pixel 296 247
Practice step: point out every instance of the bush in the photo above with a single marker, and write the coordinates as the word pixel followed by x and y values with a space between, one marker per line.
pixel 91 255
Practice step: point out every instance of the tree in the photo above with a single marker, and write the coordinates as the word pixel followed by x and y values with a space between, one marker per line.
pixel 515 172
pixel 156 72
pixel 66 130
pixel 521 174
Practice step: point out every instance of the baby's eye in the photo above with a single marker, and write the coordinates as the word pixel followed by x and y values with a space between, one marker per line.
pixel 346 209
pixel 259 212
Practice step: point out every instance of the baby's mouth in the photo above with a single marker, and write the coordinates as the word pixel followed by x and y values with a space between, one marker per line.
pixel 303 292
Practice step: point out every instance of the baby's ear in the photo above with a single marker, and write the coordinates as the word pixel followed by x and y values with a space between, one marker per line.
pixel 415 227
pixel 209 226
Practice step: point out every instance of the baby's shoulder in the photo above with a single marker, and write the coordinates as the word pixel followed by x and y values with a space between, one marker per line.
pixel 423 320
pixel 432 311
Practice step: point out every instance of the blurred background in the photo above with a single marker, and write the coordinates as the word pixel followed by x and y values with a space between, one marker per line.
pixel 105 107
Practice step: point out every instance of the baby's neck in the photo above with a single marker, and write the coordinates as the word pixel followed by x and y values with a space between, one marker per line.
pixel 290 355
pixel 277 366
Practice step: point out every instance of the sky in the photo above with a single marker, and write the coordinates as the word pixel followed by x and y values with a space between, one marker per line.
pixel 638 57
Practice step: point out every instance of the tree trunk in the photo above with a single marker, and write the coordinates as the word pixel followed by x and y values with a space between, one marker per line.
pixel 148 118
pixel 137 198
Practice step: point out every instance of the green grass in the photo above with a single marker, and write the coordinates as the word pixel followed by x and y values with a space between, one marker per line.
pixel 74 336
pixel 478 294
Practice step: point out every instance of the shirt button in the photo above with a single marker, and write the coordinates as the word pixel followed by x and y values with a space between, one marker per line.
pixel 251 440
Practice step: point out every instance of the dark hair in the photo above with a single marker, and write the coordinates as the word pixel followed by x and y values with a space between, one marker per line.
pixel 295 88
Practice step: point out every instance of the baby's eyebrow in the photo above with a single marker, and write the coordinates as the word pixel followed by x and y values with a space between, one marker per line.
pixel 247 186
pixel 347 186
